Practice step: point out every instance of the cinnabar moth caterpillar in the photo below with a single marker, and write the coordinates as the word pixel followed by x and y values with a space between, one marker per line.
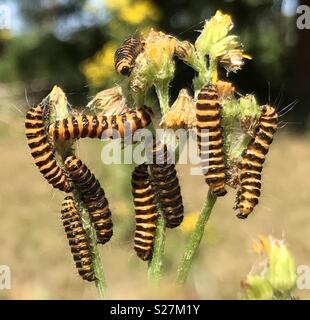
pixel 78 241
pixel 210 139
pixel 167 186
pixel 102 126
pixel 125 56
pixel 93 196
pixel 253 158
pixel 42 151
pixel 145 210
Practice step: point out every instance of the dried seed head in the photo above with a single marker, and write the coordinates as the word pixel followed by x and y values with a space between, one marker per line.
pixel 184 50
pixel 181 113
pixel 233 60
pixel 109 102
pixel 225 90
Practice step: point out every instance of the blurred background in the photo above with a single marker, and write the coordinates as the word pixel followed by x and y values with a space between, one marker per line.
pixel 71 44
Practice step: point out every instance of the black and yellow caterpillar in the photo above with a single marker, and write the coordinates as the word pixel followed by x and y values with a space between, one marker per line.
pixel 102 126
pixel 253 158
pixel 125 56
pixel 167 186
pixel 78 241
pixel 145 210
pixel 93 196
pixel 41 149
pixel 210 139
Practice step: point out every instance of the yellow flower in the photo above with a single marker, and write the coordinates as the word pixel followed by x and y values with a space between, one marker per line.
pixel 189 222
pixel 116 4
pixel 261 246
pixel 100 68
pixel 214 31
pixel 138 11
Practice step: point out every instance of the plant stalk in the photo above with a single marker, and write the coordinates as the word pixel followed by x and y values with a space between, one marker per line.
pixel 156 264
pixel 59 112
pixel 193 243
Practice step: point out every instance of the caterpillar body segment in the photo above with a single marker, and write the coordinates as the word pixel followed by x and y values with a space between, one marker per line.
pixel 167 186
pixel 42 151
pixel 93 197
pixel 253 158
pixel 210 139
pixel 78 241
pixel 145 211
pixel 101 126
pixel 125 56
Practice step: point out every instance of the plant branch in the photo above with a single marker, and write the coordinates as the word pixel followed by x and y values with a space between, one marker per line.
pixel 60 111
pixel 156 264
pixel 193 243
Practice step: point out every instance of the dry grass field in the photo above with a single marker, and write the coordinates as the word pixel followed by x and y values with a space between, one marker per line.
pixel 33 243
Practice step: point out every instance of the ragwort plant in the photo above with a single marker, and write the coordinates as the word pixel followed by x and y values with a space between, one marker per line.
pixel 214 48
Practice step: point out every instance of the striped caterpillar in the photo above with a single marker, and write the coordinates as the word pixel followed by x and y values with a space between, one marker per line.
pixel 210 139
pixel 145 210
pixel 102 126
pixel 93 196
pixel 42 151
pixel 167 186
pixel 125 56
pixel 78 241
pixel 253 158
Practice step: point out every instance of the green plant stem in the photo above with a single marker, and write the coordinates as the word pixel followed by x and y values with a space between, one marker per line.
pixel 195 239
pixel 96 259
pixel 156 264
pixel 162 91
pixel 59 112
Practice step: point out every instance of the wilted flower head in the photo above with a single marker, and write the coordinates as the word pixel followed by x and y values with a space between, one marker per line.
pixel 182 112
pixel 233 60
pixel 58 103
pixel 109 102
pixel 184 50
pixel 225 90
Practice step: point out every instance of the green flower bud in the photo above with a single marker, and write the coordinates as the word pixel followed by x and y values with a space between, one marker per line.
pixel 249 107
pixel 213 31
pixel 282 270
pixel 257 288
